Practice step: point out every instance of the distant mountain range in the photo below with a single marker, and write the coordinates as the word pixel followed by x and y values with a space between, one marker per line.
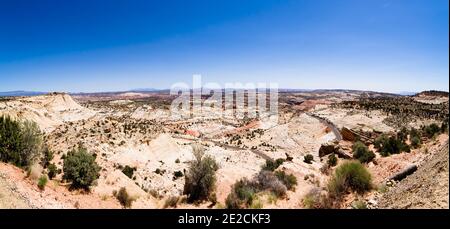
pixel 21 93
pixel 143 90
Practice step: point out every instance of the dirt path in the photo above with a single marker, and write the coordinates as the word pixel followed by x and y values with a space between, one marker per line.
pixel 329 124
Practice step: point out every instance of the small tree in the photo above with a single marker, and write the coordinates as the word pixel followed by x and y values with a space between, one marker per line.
pixel 10 140
pixel 52 171
pixel 80 168
pixel 200 179
pixel 31 143
pixel 362 153
pixel 332 160
pixel 20 142
pixel 47 156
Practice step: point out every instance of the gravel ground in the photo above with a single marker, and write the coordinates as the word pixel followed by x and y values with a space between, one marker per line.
pixel 427 188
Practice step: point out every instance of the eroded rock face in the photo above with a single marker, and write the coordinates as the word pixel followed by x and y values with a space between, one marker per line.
pixel 327 148
pixel 347 134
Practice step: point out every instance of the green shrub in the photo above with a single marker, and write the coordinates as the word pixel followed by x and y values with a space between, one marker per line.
pixel 272 165
pixel 390 145
pixel 332 160
pixel 242 194
pixel 200 178
pixel 80 168
pixel 20 142
pixel 47 157
pixel 362 153
pixel 52 171
pixel 308 158
pixel 414 137
pixel 311 199
pixel 124 198
pixel 431 130
pixel 402 135
pixel 42 182
pixel 177 174
pixel 352 176
pixel 289 180
pixel 266 180
pixel 31 143
pixel 128 171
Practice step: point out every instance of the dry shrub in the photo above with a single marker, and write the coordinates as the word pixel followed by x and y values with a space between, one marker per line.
pixel 124 197
pixel 172 202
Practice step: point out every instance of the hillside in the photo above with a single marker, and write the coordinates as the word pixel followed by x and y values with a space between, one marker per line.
pixel 426 188
pixel 48 111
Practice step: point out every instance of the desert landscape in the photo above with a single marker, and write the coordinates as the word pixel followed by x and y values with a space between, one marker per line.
pixel 330 149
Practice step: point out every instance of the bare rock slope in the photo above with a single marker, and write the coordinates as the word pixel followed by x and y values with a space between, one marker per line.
pixel 426 188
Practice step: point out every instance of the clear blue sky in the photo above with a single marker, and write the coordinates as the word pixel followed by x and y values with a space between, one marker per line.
pixel 85 46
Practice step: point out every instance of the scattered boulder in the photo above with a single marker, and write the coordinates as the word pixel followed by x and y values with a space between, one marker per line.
pixel 327 148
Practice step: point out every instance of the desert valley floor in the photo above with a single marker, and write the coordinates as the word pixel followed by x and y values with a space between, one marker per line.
pixel 135 130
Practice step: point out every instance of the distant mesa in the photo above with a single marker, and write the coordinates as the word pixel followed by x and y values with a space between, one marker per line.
pixel 433 93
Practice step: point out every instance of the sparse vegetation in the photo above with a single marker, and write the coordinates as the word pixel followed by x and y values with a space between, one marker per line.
pixel 124 198
pixel 415 138
pixel 308 158
pixel 20 142
pixel 177 174
pixel 289 180
pixel 390 145
pixel 42 182
pixel 350 176
pixel 362 153
pixel 47 156
pixel 52 171
pixel 242 194
pixel 314 199
pixel 332 160
pixel 244 191
pixel 128 171
pixel 80 168
pixel 200 179
pixel 272 165
pixel 431 130
pixel 266 180
pixel 172 202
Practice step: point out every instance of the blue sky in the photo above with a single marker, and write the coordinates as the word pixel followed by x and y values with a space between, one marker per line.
pixel 86 46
